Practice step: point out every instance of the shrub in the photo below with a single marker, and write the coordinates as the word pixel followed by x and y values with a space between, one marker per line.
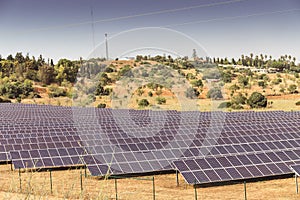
pixel 143 103
pixel 239 99
pixel 262 84
pixel 55 91
pixel 191 93
pixel 197 83
pixel 109 70
pixel 298 103
pixel 243 80
pixel 101 105
pixel 292 89
pixel 226 104
pixel 161 100
pixel 215 93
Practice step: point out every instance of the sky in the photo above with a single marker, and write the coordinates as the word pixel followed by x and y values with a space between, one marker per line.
pixel 218 28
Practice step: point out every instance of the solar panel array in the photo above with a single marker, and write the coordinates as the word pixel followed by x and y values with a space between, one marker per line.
pixel 204 147
pixel 136 155
pixel 35 136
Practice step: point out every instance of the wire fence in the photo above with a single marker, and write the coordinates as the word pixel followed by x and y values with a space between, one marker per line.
pixel 73 184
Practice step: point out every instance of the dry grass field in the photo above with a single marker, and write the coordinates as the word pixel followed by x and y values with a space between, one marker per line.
pixel 66 185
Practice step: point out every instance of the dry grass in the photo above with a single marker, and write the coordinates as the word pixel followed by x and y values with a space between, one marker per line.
pixel 66 185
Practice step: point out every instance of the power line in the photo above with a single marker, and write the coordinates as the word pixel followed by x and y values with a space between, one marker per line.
pixel 229 18
pixel 138 15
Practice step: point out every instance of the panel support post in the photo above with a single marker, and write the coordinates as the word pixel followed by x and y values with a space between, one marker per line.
pixel 153 188
pixel 177 179
pixel 195 190
pixel 116 189
pixel 85 174
pixel 20 179
pixel 296 181
pixel 51 185
pixel 245 191
pixel 81 184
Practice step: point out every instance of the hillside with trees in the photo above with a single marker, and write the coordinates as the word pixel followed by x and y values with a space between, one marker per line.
pixel 250 82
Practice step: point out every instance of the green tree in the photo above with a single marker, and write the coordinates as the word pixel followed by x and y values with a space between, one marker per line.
pixel 66 70
pixel 46 74
pixel 257 100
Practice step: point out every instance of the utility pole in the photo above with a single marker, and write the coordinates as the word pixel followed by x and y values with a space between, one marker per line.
pixel 106 46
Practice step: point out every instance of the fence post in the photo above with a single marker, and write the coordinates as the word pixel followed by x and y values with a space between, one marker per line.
pixel 245 190
pixel 116 188
pixel 296 180
pixel 195 188
pixel 81 185
pixel 177 180
pixel 51 186
pixel 20 179
pixel 153 188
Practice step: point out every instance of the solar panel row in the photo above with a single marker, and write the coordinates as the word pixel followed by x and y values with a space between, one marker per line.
pixel 236 167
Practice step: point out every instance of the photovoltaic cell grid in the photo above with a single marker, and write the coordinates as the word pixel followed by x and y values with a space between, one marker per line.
pixel 111 148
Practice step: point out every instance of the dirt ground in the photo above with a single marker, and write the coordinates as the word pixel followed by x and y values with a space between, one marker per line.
pixel 67 185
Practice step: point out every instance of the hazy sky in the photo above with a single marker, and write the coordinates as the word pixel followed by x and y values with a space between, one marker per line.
pixel 62 28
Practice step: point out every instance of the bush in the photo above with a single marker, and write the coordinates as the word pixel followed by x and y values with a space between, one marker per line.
pixel 292 89
pixel 225 105
pixel 298 103
pixel 243 80
pixel 161 100
pixel 55 91
pixel 262 84
pixel 143 103
pixel 197 83
pixel 101 105
pixel 191 93
pixel 277 81
pixel 257 100
pixel 239 99
pixel 215 93
pixel 109 70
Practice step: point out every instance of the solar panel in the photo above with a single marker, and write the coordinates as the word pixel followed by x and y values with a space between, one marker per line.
pixel 296 169
pixel 138 141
